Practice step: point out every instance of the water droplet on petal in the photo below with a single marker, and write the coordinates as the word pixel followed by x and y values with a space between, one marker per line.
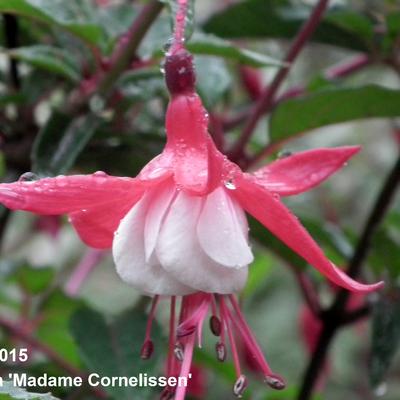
pixel 100 174
pixel 28 177
pixel 155 173
pixel 284 154
pixel 230 185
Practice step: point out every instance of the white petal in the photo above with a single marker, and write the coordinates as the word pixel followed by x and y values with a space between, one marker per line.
pixel 129 256
pixel 160 201
pixel 180 253
pixel 222 230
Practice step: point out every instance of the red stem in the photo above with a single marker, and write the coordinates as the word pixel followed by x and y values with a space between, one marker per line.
pixel 19 333
pixel 337 71
pixel 266 100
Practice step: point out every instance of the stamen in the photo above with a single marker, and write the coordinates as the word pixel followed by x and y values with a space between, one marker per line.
pixel 148 345
pixel 214 304
pixel 200 328
pixel 186 364
pixel 220 349
pixel 179 351
pixel 240 386
pixel 215 325
pixel 232 342
pixel 167 394
pixel 188 326
pixel 273 380
pixel 171 339
pixel 147 350
pixel 222 333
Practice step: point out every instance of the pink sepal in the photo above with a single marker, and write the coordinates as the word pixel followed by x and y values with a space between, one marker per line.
pixel 95 203
pixel 302 171
pixel 270 211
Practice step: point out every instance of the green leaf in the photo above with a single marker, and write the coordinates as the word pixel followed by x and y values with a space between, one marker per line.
pixel 258 273
pixel 34 280
pixel 213 79
pixel 212 46
pixel 61 141
pixel 332 106
pixel 280 19
pixel 65 14
pixel 8 391
pixel 49 58
pixel 56 312
pixel 385 254
pixel 114 349
pixel 385 334
pixel 142 84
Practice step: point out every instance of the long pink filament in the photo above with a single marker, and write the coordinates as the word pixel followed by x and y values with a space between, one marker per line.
pixel 249 338
pixel 235 355
pixel 151 317
pixel 186 364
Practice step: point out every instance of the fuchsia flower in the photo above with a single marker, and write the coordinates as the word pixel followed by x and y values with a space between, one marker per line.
pixel 179 228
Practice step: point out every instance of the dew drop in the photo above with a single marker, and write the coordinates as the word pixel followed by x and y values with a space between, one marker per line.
pixel 230 185
pixel 155 173
pixel 28 177
pixel 167 46
pixel 100 174
pixel 162 67
pixel 284 154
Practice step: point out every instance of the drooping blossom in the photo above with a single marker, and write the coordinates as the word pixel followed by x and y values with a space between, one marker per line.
pixel 179 228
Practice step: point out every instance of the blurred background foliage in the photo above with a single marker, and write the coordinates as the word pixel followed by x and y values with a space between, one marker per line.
pixel 57 117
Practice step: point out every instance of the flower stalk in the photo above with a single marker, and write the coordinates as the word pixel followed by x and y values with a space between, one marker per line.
pixel 265 101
